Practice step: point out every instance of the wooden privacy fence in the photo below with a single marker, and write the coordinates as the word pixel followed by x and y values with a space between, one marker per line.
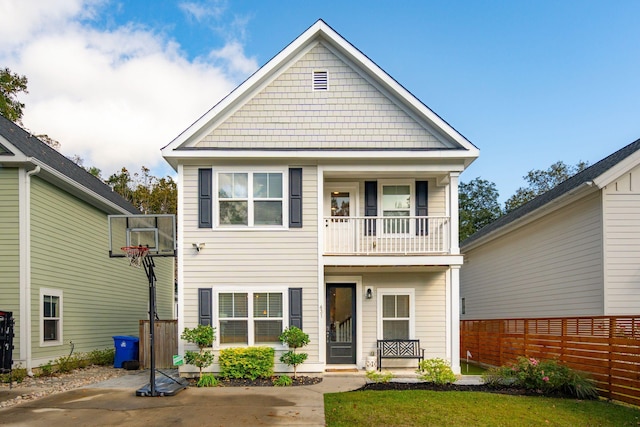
pixel 607 348
pixel 165 342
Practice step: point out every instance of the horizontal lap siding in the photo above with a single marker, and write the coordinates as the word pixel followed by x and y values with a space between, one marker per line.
pixel 10 248
pixel 253 257
pixel 622 244
pixel 430 316
pixel 551 267
pixel 102 296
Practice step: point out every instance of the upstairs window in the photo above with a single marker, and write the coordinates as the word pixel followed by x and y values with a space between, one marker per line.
pixel 250 199
pixel 396 204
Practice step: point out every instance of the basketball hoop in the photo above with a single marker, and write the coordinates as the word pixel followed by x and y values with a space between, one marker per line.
pixel 135 254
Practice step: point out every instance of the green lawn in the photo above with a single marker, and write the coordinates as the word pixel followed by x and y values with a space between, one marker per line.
pixel 458 408
pixel 471 369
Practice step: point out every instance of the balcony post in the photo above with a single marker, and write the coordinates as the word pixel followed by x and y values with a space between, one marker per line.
pixel 453 213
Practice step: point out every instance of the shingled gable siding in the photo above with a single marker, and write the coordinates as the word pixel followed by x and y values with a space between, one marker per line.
pixel 622 244
pixel 10 248
pixel 289 114
pixel 549 268
pixel 103 296
pixel 243 258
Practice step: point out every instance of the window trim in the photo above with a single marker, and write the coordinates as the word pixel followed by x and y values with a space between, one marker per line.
pixel 250 291
pixel 54 293
pixel 250 199
pixel 411 292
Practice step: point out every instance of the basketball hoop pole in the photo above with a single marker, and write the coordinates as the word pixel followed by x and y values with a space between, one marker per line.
pixel 148 264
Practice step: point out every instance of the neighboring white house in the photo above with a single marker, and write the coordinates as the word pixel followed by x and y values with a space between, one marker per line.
pixel 56 276
pixel 321 193
pixel 572 251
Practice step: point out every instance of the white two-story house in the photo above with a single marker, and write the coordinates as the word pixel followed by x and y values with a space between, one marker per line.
pixel 321 193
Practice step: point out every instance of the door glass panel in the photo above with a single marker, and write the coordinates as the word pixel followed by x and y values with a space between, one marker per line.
pixel 340 315
pixel 340 203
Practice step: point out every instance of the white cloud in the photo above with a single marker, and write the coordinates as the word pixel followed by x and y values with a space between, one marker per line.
pixel 201 11
pixel 114 98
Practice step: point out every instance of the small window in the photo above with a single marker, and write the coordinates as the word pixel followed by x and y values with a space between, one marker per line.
pixel 396 313
pixel 320 80
pixel 51 316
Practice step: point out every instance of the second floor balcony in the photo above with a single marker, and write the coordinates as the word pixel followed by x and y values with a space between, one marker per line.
pixel 398 235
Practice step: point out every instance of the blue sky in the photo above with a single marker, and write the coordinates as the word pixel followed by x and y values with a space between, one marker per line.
pixel 528 82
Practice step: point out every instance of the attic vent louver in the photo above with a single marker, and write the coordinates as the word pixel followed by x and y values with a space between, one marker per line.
pixel 320 80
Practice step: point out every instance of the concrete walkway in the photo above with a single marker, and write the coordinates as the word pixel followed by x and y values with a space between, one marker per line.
pixel 114 403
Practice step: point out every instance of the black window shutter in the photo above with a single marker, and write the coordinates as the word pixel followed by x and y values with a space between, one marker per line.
pixel 205 198
pixel 422 225
pixel 205 306
pixel 295 307
pixel 295 198
pixel 370 206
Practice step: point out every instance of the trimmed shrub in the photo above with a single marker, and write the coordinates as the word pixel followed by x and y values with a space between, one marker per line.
pixel 246 362
pixel 436 371
pixel 202 336
pixel 294 338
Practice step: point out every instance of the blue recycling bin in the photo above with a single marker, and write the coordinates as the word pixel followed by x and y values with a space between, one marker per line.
pixel 126 349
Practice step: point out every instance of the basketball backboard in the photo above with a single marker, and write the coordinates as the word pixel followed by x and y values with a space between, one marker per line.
pixel 156 232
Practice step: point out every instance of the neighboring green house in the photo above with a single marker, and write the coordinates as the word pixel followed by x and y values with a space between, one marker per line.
pixel 55 272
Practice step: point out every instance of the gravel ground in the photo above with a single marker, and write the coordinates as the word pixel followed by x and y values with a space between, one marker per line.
pixel 35 388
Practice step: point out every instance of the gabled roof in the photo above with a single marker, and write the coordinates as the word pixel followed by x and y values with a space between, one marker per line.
pixel 183 145
pixel 25 149
pixel 596 176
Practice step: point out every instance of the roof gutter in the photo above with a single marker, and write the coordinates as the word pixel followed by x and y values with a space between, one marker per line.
pixel 70 183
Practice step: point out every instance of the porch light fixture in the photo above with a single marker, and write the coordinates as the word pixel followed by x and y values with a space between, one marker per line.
pixel 369 293
pixel 198 246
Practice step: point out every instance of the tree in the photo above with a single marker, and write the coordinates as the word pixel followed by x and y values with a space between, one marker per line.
pixel 202 336
pixel 541 181
pixel 294 338
pixel 11 84
pixel 151 195
pixel 91 169
pixel 478 206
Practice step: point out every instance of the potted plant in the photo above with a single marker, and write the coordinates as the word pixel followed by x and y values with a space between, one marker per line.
pixel 371 363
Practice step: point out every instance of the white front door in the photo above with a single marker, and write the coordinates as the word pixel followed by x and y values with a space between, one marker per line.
pixel 340 206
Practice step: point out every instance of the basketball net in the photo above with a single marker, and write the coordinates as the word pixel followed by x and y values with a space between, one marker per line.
pixel 135 254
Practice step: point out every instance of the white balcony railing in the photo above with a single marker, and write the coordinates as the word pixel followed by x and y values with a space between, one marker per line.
pixel 408 235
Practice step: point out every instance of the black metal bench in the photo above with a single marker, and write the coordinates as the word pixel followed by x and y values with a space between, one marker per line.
pixel 399 349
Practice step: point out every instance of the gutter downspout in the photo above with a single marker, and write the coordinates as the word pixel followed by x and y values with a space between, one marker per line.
pixel 25 274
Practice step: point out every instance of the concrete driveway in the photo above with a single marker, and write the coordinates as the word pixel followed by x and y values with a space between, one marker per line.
pixel 114 403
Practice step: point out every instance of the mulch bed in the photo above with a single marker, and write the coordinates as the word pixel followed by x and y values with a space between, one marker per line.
pixel 393 385
pixel 262 382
